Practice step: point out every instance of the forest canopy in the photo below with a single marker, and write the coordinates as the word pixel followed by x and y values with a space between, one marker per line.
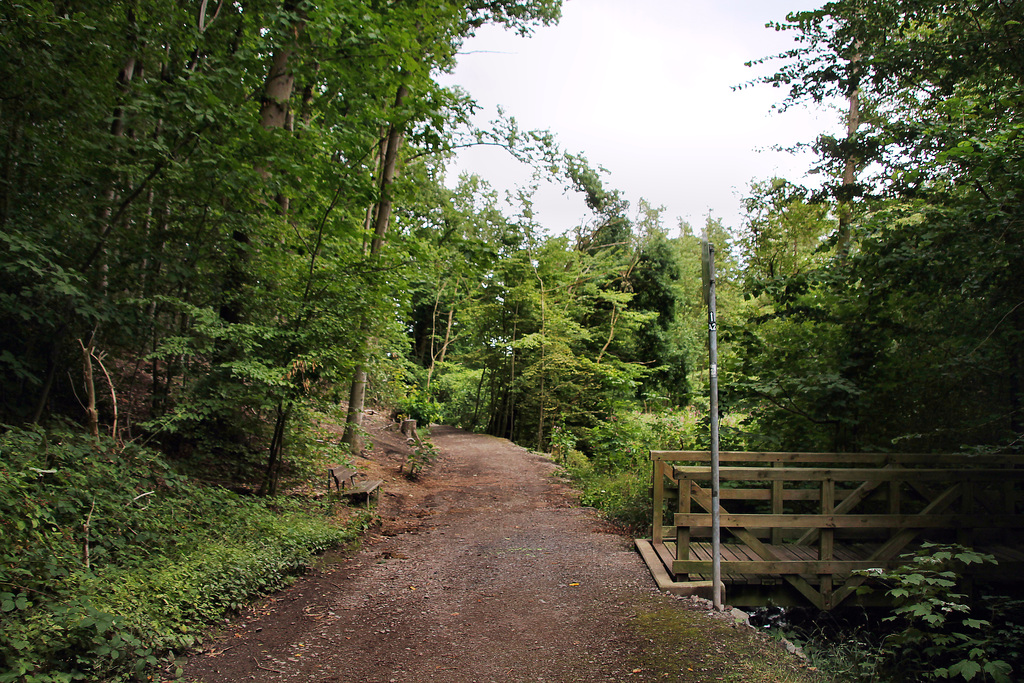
pixel 218 217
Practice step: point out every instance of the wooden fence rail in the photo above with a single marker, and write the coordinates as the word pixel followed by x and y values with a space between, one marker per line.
pixel 809 520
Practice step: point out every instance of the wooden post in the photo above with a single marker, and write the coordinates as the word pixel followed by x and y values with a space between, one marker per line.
pixel 778 488
pixel 683 533
pixel 826 541
pixel 658 481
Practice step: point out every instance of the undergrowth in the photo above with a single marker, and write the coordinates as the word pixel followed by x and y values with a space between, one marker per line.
pixel 610 463
pixel 934 631
pixel 422 455
pixel 110 561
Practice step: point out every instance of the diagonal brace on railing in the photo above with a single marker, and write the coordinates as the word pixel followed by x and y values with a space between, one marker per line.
pixel 857 496
pixel 703 498
pixel 897 543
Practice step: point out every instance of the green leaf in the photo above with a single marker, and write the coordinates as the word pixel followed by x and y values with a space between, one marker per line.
pixel 966 668
pixel 999 671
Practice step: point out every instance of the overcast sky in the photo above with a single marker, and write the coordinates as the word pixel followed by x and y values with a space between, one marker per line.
pixel 644 89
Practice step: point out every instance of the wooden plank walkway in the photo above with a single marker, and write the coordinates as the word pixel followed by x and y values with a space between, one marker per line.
pixel 797 526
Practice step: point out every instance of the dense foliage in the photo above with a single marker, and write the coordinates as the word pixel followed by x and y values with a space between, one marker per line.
pixel 892 319
pixel 936 630
pixel 198 247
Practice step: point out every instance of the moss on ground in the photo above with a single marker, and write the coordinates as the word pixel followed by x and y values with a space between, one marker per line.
pixel 680 642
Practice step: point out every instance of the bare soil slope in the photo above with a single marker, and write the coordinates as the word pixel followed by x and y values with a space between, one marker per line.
pixel 484 570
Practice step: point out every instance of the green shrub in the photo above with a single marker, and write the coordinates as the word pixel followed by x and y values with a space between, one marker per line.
pixel 423 454
pixel 624 497
pixel 109 560
pixel 623 441
pixel 457 388
pixel 422 408
pixel 562 442
pixel 939 636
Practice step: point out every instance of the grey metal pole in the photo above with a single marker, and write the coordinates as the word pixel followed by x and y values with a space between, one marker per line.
pixel 716 548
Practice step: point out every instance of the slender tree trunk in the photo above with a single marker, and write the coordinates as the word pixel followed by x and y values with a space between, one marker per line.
pixel 387 180
pixel 447 334
pixel 476 403
pixel 540 416
pixel 370 219
pixel 510 394
pixel 611 334
pixel 433 330
pixel 357 393
pixel 849 166
pixel 53 364
pixel 117 129
pixel 275 112
pixel 92 415
pixel 436 358
pixel 493 414
pixel 271 476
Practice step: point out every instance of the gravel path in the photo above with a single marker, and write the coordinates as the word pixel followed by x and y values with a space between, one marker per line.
pixel 491 574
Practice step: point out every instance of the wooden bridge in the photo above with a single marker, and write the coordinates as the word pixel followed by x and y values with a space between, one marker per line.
pixel 795 526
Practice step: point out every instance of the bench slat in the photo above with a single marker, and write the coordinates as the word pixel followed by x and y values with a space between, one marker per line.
pixel 366 486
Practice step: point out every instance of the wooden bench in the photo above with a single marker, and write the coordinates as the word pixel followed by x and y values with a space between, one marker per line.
pixel 344 480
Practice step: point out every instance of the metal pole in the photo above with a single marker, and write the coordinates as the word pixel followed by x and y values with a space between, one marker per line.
pixel 716 548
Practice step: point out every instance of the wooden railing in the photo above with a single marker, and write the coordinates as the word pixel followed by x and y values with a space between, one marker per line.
pixel 811 519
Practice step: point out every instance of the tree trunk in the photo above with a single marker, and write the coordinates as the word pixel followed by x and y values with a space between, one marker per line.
pixel 277 92
pixel 92 415
pixel 540 417
pixel 273 472
pixel 357 393
pixel 448 327
pixel 52 363
pixel 508 428
pixel 476 404
pixel 438 357
pixel 356 403
pixel 387 178
pixel 275 112
pixel 850 165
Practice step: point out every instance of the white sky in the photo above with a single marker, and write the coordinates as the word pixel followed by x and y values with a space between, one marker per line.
pixel 643 88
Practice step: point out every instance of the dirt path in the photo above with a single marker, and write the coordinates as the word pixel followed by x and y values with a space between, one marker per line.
pixel 491 574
